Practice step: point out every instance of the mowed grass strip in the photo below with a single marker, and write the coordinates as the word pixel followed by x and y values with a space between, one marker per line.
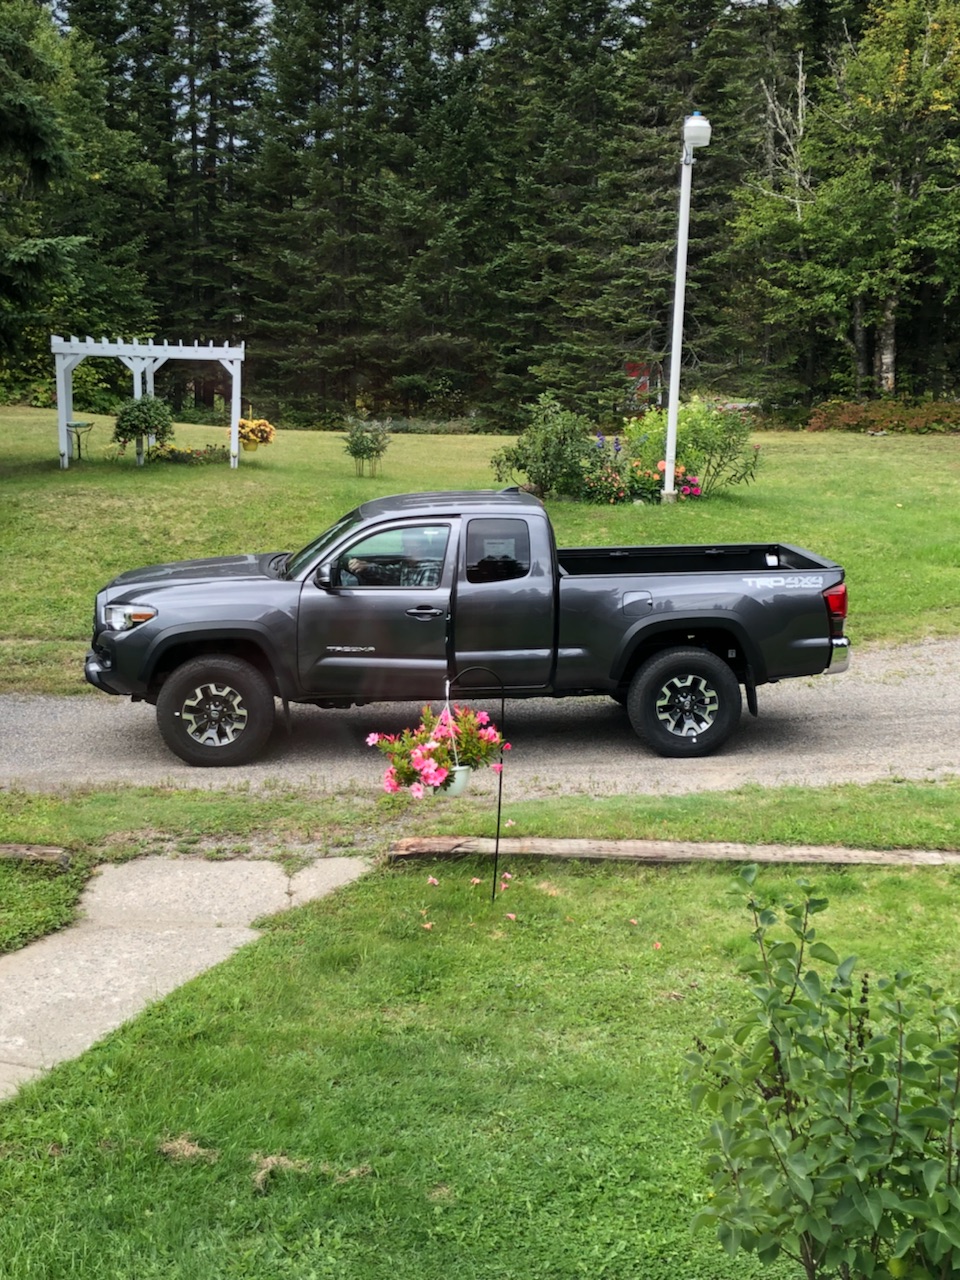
pixel 127 822
pixel 407 1080
pixel 888 509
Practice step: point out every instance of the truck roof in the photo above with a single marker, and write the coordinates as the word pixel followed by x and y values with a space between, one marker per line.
pixel 449 502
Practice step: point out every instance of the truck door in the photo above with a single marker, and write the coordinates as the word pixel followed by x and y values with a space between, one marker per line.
pixel 504 605
pixel 378 628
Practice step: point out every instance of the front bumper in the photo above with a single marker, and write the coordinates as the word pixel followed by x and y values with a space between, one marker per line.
pixel 98 671
pixel 839 656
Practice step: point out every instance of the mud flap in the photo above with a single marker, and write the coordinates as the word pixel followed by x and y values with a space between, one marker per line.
pixel 750 689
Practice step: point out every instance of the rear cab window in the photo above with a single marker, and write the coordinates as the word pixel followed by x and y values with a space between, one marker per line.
pixel 497 550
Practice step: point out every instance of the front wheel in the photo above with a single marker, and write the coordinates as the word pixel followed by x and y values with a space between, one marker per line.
pixel 216 710
pixel 684 702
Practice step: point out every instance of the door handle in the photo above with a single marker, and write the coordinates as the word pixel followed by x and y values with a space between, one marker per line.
pixel 425 611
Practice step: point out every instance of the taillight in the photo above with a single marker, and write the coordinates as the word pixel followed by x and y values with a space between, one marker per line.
pixel 836 599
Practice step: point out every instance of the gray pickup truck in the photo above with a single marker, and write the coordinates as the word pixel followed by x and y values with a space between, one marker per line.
pixel 407 593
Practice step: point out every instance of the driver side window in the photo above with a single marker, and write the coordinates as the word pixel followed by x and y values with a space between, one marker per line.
pixel 407 556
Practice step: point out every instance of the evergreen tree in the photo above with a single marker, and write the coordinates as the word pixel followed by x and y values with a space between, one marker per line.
pixel 33 153
pixel 183 82
pixel 672 75
pixel 859 232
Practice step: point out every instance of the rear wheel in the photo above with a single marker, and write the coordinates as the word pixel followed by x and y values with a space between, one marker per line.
pixel 684 702
pixel 216 710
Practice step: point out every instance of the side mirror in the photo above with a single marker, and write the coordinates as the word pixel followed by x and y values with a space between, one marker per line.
pixel 324 577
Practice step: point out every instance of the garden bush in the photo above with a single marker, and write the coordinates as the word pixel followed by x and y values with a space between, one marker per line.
pixel 564 454
pixel 927 418
pixel 834 1111
pixel 552 452
pixel 713 443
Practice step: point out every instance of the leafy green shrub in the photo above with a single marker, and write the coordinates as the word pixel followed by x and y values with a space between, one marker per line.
pixel 552 452
pixel 713 449
pixel 835 1106
pixel 930 417
pixel 145 417
pixel 366 442
pixel 714 443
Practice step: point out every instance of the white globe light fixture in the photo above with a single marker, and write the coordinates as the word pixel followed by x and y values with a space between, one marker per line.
pixel 696 133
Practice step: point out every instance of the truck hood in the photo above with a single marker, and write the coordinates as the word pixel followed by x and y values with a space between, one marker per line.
pixel 181 572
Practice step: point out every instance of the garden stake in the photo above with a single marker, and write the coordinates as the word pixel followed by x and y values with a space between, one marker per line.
pixel 503 735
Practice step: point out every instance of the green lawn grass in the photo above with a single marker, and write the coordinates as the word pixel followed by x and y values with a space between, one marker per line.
pixel 486 1097
pixel 888 509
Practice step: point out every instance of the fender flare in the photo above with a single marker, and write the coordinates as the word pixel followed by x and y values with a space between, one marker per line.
pixel 254 633
pixel 646 629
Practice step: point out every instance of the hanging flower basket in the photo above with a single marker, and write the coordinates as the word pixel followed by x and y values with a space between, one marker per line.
pixel 254 431
pixel 433 756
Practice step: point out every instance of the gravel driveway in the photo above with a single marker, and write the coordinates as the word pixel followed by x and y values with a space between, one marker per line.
pixel 895 713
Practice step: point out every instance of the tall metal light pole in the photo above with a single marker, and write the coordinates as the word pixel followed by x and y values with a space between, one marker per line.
pixel 696 133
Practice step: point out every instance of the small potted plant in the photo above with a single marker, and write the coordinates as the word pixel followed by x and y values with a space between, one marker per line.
pixel 255 431
pixel 440 752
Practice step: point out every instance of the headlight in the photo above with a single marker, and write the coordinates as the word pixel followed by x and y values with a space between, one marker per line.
pixel 124 617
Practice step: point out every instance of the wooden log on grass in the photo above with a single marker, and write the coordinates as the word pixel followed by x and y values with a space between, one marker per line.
pixel 665 851
pixel 35 853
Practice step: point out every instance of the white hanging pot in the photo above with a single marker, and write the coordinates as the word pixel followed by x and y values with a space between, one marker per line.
pixel 460 776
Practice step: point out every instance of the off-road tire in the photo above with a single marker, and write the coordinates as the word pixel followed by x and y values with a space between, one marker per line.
pixel 216 710
pixel 684 702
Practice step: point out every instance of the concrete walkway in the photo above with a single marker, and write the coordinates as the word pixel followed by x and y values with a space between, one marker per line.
pixel 146 927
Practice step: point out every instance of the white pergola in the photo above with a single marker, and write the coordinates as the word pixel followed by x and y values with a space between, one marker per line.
pixel 143 359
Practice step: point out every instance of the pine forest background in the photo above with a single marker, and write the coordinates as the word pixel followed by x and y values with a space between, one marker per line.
pixel 448 208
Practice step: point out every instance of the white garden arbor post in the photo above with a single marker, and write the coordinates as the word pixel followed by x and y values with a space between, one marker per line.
pixel 143 359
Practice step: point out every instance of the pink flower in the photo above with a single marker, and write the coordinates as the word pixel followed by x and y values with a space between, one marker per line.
pixel 497 767
pixel 509 823
pixel 656 946
pixel 506 746
pixel 696 491
pixel 506 876
pixel 372 739
pixel 432 880
pixel 488 735
pixel 482 718
pixel 503 886
pixel 475 880
pixel 390 783
pixel 416 790
pixel 428 925
pixel 633 922
pixel 511 916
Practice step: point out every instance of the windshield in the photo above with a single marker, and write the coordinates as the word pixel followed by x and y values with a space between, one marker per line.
pixel 314 550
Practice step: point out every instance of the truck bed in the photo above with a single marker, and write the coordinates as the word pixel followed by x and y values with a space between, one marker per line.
pixel 752 557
